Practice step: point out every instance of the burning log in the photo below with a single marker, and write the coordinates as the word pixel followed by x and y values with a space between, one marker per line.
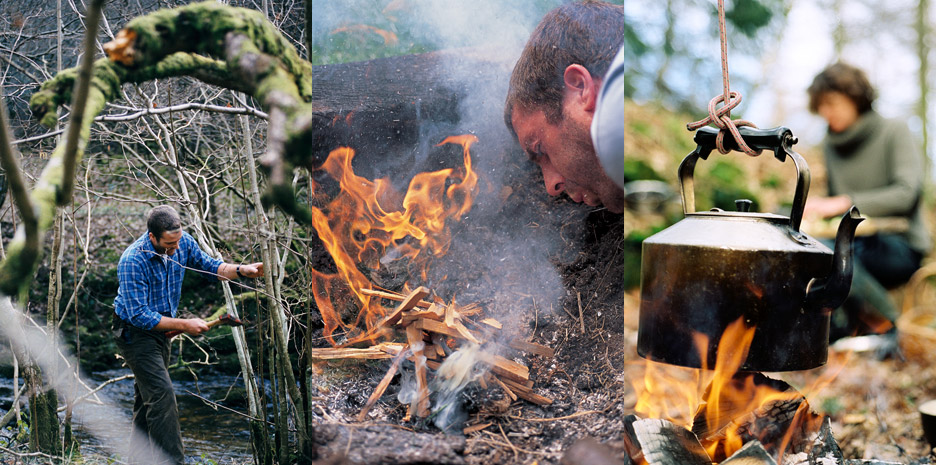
pixel 781 423
pixel 629 439
pixel 753 453
pixel 664 443
pixel 825 449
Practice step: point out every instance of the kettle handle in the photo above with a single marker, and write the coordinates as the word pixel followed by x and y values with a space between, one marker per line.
pixel 779 139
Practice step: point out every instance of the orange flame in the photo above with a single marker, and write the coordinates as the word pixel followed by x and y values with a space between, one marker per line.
pixel 366 223
pixel 723 398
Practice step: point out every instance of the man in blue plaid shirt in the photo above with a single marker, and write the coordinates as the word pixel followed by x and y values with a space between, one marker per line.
pixel 150 276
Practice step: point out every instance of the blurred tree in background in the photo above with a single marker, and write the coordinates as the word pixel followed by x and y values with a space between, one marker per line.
pixel 674 52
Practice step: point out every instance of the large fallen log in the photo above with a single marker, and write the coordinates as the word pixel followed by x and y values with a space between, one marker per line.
pixel 385 102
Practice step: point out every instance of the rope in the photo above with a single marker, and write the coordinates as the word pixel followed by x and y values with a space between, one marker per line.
pixel 721 117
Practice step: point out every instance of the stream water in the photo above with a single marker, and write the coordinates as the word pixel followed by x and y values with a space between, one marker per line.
pixel 217 434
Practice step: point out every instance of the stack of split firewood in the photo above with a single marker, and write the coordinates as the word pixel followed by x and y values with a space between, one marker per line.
pixel 433 331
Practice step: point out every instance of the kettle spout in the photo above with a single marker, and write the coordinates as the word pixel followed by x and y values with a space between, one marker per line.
pixel 831 291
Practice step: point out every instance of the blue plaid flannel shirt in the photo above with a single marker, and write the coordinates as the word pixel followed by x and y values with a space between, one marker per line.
pixel 150 284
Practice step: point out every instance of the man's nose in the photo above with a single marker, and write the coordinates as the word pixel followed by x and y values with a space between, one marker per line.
pixel 555 183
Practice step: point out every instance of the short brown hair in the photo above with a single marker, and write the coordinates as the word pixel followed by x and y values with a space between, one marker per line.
pixel 588 33
pixel 161 219
pixel 845 79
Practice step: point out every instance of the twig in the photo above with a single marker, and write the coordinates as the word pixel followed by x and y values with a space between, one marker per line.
pixel 513 447
pixel 9 161
pixel 250 111
pixel 217 405
pixel 79 102
pixel 382 386
pixel 27 454
pixel 498 443
pixel 578 296
pixel 12 412
pixel 546 420
pixel 100 386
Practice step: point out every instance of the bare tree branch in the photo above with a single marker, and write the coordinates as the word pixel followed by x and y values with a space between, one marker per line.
pixel 82 87
pixel 26 248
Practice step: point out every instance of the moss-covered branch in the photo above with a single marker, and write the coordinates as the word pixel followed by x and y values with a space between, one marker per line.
pixel 231 47
pixel 27 239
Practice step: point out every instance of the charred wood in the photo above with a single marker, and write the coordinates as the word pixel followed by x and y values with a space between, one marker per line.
pixel 753 453
pixel 825 449
pixel 629 439
pixel 782 425
pixel 664 443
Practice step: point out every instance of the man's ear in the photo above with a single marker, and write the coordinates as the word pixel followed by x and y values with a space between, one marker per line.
pixel 581 86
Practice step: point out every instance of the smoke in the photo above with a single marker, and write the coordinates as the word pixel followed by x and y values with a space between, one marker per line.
pixel 457 371
pixel 426 24
pixel 511 234
pixel 100 419
pixel 461 368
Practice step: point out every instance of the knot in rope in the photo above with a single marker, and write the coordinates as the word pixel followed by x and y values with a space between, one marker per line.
pixel 721 118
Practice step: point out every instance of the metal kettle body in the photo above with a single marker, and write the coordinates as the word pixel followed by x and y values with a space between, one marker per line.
pixel 714 268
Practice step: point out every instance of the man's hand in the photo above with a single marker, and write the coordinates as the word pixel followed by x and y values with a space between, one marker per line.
pixel 194 326
pixel 826 207
pixel 190 326
pixel 253 270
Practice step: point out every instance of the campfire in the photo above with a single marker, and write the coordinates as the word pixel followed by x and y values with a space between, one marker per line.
pixel 369 228
pixel 719 414
pixel 438 337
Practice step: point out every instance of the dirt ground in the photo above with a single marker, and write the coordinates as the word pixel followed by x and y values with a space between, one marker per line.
pixel 589 317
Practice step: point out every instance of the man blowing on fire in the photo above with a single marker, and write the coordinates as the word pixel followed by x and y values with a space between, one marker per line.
pixel 552 99
pixel 150 276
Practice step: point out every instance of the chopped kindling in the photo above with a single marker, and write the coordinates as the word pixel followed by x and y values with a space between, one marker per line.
pixel 431 331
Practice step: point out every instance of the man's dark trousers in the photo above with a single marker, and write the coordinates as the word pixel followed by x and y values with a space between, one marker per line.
pixel 155 412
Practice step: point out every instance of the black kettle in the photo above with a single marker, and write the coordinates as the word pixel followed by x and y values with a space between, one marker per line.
pixel 715 267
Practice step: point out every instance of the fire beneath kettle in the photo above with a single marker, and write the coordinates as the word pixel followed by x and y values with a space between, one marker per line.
pixel 725 407
pixel 749 292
